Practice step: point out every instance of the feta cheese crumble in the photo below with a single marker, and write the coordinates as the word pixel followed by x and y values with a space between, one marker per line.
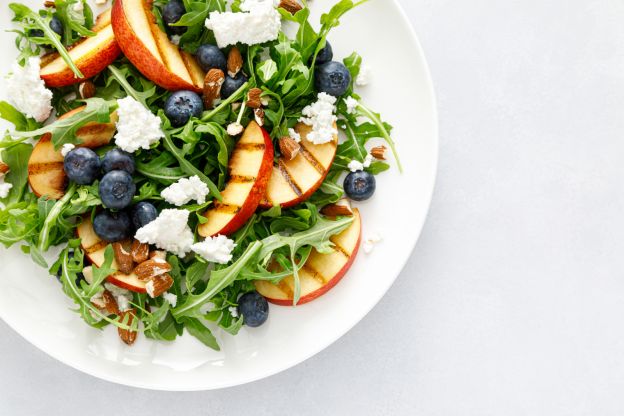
pixel 169 231
pixel 175 39
pixel 320 116
pixel 294 135
pixel 67 147
pixel 234 129
pixel 369 242
pixel 149 288
pixel 171 298
pixel 137 127
pixel 27 92
pixel 186 190
pixel 351 105
pixel 5 187
pixel 215 249
pixel 260 22
pixel 364 76
pixel 233 311
pixel 356 165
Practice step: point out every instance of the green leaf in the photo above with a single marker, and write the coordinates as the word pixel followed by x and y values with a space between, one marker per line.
pixel 201 332
pixel 10 114
pixel 267 70
pixel 17 158
pixel 101 273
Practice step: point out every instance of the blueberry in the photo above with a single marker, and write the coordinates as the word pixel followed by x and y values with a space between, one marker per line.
pixel 254 308
pixel 56 26
pixel 117 189
pixel 181 106
pixel 325 55
pixel 360 185
pixel 117 159
pixel 143 213
pixel 36 33
pixel 172 12
pixel 82 166
pixel 333 78
pixel 210 56
pixel 112 226
pixel 231 85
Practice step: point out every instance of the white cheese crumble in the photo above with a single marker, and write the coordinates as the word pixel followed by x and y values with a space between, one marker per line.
pixel 320 116
pixel 351 105
pixel 172 298
pixel 169 231
pixel 100 2
pixel 27 92
pixel 149 288
pixel 234 129
pixel 233 311
pixel 260 22
pixel 175 39
pixel 364 76
pixel 186 190
pixel 294 135
pixel 215 249
pixel 369 242
pixel 5 187
pixel 356 165
pixel 67 147
pixel 137 127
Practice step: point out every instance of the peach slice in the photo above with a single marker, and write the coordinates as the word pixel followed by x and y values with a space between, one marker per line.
pixel 91 55
pixel 151 51
pixel 294 181
pixel 46 175
pixel 249 169
pixel 94 248
pixel 321 272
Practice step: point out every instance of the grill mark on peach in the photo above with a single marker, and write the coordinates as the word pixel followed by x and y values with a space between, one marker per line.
pixel 40 168
pixel 241 179
pixel 340 249
pixel 93 129
pixel 250 147
pixel 225 207
pixel 312 160
pixel 96 247
pixel 283 286
pixel 316 275
pixel 288 178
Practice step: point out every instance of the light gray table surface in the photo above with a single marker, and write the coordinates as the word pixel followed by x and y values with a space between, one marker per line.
pixel 513 301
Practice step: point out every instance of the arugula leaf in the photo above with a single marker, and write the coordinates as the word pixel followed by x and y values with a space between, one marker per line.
pixel 201 332
pixel 19 120
pixel 17 158
pixel 101 273
pixel 52 216
pixel 120 75
pixel 75 23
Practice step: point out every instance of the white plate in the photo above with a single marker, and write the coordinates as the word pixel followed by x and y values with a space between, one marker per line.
pixel 32 303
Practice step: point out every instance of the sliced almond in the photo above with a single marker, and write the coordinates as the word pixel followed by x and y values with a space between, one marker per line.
pixel 212 86
pixel 289 147
pixel 123 258
pixel 254 99
pixel 259 116
pixel 128 336
pixel 49 4
pixel 379 152
pixel 158 285
pixel 341 208
pixel 140 251
pixel 4 168
pixel 87 272
pixel 234 62
pixel 290 6
pixel 110 304
pixel 86 89
pixel 151 268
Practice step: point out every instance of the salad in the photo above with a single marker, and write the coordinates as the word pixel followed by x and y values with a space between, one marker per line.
pixel 190 161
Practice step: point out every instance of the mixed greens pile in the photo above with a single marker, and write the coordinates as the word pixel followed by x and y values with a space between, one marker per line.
pixel 283 69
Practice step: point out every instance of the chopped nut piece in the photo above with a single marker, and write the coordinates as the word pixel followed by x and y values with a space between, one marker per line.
pixel 158 285
pixel 4 168
pixel 86 89
pixel 128 336
pixel 49 3
pixel 290 6
pixel 289 147
pixel 123 258
pixel 254 98
pixel 158 254
pixel 341 208
pixel 379 152
pixel 234 62
pixel 151 268
pixel 87 272
pixel 110 304
pixel 212 86
pixel 259 116
pixel 140 251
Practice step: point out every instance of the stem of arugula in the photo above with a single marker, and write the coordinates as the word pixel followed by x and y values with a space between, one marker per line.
pixel 225 102
pixel 44 235
pixel 384 133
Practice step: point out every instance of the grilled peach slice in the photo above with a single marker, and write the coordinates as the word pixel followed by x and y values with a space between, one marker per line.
pixel 149 49
pixel 294 181
pixel 94 248
pixel 91 55
pixel 46 175
pixel 321 272
pixel 250 168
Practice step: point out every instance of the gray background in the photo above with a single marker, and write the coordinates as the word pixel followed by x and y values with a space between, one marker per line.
pixel 513 301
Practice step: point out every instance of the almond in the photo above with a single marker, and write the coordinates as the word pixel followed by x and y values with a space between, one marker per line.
pixel 123 258
pixel 86 89
pixel 110 304
pixel 4 168
pixel 289 147
pixel 49 4
pixel 290 6
pixel 379 152
pixel 234 62
pixel 158 285
pixel 139 251
pixel 87 272
pixel 259 116
pixel 212 86
pixel 151 268
pixel 253 98
pixel 341 208
pixel 158 254
pixel 128 336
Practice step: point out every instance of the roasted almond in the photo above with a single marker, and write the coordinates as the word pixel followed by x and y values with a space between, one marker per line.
pixel 158 285
pixel 290 6
pixel 289 147
pixel 86 89
pixel 341 208
pixel 379 152
pixel 259 116
pixel 212 86
pixel 128 336
pixel 123 257
pixel 140 251
pixel 254 98
pixel 151 268
pixel 49 4
pixel 110 304
pixel 4 168
pixel 234 62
